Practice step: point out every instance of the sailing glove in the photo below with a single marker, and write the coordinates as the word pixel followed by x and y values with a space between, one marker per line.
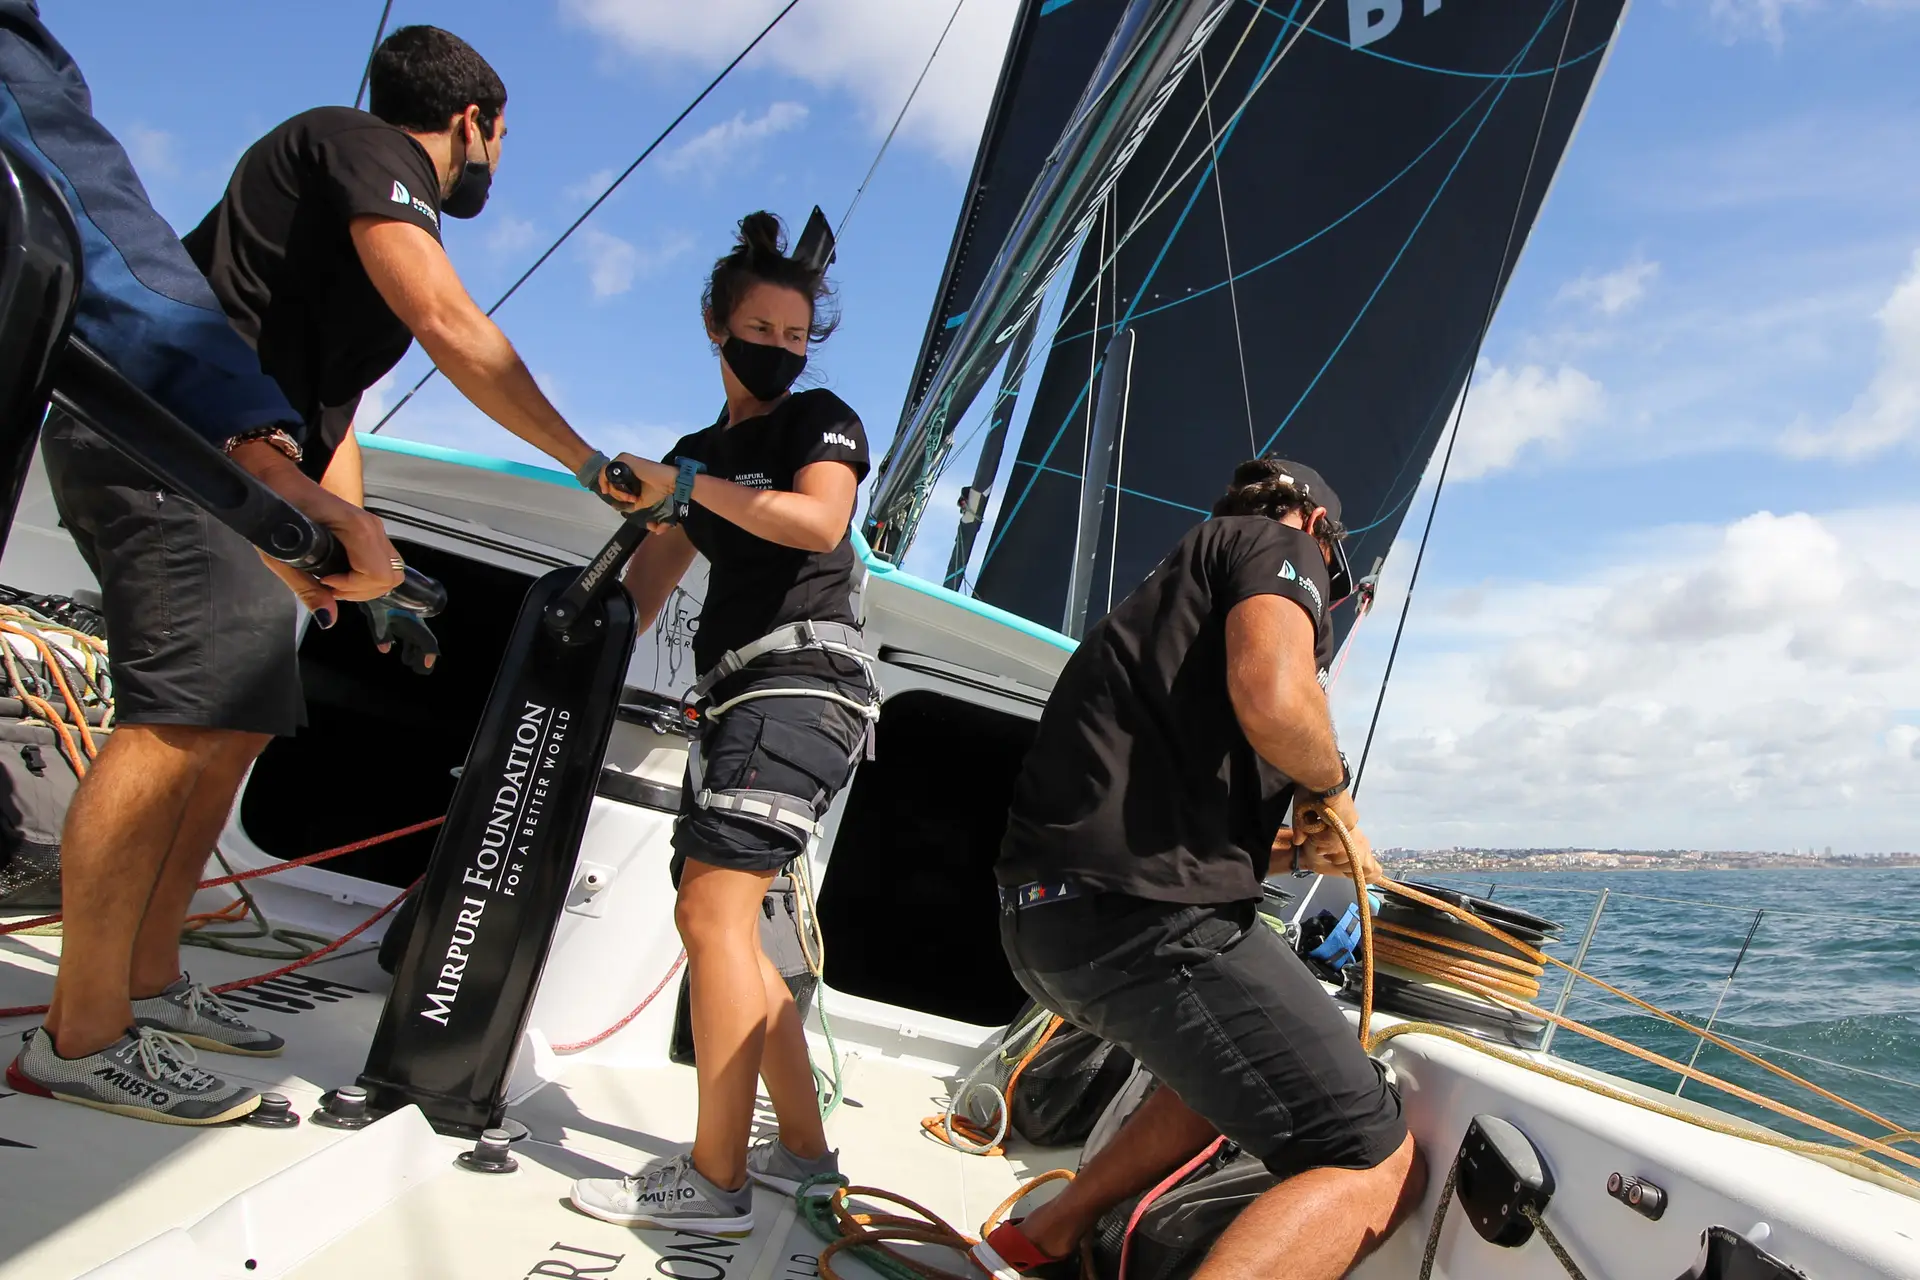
pixel 391 622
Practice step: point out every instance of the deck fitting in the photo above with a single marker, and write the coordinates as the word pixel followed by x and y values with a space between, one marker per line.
pixel 489 1154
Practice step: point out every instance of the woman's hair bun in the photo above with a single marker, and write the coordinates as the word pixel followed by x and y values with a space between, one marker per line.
pixel 759 256
pixel 761 237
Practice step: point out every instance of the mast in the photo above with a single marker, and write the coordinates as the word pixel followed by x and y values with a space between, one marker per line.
pixel 1150 50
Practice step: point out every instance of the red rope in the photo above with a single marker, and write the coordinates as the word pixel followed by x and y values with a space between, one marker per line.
pixel 340 852
pixel 1146 1201
pixel 28 1010
pixel 638 1009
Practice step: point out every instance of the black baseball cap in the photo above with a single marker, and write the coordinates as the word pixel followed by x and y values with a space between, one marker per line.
pixel 1311 484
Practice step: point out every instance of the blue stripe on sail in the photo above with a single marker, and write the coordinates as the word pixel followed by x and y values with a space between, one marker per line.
pixel 1411 235
pixel 956 321
pixel 1006 521
pixel 1052 5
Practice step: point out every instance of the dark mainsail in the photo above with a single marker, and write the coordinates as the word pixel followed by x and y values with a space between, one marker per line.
pixel 1371 194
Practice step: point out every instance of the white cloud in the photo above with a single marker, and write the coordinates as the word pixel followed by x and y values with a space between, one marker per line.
pixel 1766 19
pixel 1751 685
pixel 1887 412
pixel 725 142
pixel 614 264
pixel 1615 291
pixel 588 188
pixel 870 49
pixel 154 152
pixel 509 235
pixel 373 403
pixel 1509 410
pixel 611 262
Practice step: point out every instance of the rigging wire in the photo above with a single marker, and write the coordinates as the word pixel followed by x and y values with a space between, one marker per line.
pixel 1278 55
pixel 1459 411
pixel 603 197
pixel 887 141
pixel 379 34
pixel 1226 249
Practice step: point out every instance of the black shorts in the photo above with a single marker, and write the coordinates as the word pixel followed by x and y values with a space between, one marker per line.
pixel 199 631
pixel 1220 1010
pixel 804 747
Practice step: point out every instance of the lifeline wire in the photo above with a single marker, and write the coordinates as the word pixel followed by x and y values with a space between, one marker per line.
pixel 379 34
pixel 1459 411
pixel 601 199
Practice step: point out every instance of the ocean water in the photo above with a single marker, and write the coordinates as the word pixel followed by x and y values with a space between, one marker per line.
pixel 1830 983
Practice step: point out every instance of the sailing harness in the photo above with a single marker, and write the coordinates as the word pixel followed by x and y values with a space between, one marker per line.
pixel 801 813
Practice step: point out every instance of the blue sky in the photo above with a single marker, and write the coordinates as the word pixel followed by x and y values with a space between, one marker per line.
pixel 1672 587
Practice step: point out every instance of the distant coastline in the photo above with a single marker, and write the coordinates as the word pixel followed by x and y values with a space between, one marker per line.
pixel 1484 860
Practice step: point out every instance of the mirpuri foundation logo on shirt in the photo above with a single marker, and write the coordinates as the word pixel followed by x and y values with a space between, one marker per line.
pixel 403 196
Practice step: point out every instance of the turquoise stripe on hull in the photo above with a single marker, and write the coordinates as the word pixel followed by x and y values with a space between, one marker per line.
pixel 875 565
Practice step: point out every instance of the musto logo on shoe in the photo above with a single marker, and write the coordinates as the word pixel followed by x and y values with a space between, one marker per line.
pixel 134 1086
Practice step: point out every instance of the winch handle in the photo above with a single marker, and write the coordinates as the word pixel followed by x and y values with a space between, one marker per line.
pixel 572 604
pixel 89 388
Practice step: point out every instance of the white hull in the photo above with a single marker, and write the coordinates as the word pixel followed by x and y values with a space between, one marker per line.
pixel 85 1193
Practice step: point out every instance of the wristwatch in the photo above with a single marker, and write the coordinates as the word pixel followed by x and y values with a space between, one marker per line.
pixel 1346 780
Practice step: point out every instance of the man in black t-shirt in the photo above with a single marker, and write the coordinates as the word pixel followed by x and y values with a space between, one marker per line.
pixel 1176 738
pixel 324 253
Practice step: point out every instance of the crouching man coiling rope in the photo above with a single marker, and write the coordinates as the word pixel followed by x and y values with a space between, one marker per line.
pixel 1140 831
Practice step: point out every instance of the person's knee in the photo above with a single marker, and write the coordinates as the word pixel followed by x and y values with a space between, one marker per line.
pixel 709 920
pixel 1399 1182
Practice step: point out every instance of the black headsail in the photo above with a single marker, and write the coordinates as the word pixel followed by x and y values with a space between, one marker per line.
pixel 1150 50
pixel 1307 257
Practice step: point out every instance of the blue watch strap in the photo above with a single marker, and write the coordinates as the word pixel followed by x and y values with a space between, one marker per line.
pixel 683 486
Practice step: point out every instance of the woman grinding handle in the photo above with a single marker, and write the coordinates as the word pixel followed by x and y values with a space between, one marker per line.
pixel 787 699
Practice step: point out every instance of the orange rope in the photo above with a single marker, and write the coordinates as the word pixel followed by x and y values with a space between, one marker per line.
pixel 1487 992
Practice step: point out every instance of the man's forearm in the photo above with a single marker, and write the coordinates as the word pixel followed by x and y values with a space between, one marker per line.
pixel 1295 735
pixel 477 358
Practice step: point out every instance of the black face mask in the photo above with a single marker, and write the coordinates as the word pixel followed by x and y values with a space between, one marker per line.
pixel 471 188
pixel 766 371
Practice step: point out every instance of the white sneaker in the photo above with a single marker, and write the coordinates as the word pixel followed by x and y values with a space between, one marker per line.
pixel 668 1195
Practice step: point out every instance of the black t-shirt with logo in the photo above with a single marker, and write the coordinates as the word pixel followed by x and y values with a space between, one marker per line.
pixel 754 585
pixel 281 260
pixel 1141 780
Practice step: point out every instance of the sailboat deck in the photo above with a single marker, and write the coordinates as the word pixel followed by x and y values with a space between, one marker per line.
pixel 84 1187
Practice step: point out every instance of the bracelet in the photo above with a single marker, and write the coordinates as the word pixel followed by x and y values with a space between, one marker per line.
pixel 271 435
pixel 589 471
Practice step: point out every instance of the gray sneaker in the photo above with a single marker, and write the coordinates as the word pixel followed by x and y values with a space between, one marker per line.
pixel 146 1074
pixel 770 1164
pixel 668 1195
pixel 189 1010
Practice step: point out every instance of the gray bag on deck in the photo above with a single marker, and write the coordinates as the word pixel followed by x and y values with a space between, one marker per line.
pixel 36 786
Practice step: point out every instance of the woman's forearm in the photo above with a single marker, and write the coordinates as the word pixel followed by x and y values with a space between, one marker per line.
pixel 791 519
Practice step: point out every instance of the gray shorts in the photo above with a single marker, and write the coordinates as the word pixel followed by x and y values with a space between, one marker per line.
pixel 804 747
pixel 199 631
